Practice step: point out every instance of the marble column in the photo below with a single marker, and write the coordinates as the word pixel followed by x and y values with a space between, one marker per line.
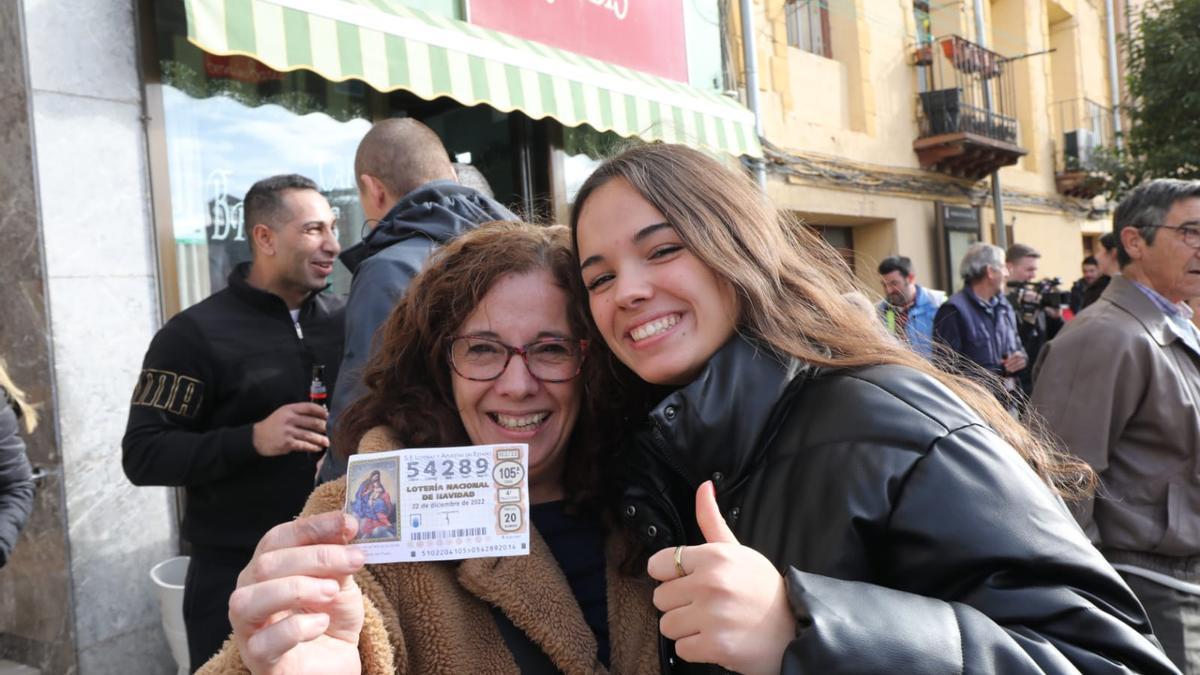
pixel 92 176
pixel 36 625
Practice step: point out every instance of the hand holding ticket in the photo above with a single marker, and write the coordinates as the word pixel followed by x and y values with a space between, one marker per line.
pixel 440 503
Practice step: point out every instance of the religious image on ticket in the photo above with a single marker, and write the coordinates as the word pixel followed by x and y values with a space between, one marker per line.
pixel 422 504
pixel 371 489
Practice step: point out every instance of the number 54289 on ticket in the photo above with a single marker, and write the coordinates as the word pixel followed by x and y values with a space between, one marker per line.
pixel 440 503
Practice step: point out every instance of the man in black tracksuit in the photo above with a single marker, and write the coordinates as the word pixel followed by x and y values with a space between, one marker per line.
pixel 221 407
pixel 411 196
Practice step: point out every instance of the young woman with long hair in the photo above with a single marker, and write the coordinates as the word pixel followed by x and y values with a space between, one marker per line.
pixel 855 509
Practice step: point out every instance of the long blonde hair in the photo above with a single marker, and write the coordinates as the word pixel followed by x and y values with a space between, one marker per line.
pixel 25 410
pixel 791 285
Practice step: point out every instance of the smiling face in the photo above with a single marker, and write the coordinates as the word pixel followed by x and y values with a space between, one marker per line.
pixel 299 252
pixel 517 407
pixel 1169 265
pixel 661 310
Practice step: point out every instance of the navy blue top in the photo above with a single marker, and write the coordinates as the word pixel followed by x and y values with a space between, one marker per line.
pixel 984 332
pixel 577 542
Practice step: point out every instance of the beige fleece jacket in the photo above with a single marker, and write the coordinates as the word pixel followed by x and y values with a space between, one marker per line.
pixel 434 617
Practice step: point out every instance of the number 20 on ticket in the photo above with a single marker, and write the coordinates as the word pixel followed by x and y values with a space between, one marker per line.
pixel 440 503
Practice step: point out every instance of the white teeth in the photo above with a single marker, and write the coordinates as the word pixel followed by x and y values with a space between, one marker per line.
pixel 521 423
pixel 653 328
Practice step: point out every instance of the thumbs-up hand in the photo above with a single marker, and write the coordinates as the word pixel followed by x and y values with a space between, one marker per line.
pixel 730 606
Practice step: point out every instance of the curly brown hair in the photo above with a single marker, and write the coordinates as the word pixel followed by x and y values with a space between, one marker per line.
pixel 792 289
pixel 408 380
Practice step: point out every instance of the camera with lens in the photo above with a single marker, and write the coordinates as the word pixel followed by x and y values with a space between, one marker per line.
pixel 1032 296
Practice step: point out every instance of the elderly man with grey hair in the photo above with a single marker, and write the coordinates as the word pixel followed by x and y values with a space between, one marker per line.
pixel 979 324
pixel 1120 386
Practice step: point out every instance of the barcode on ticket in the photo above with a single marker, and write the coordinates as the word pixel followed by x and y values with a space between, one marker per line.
pixel 448 534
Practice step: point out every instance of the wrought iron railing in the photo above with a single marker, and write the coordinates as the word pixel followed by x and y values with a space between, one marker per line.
pixel 1081 128
pixel 966 88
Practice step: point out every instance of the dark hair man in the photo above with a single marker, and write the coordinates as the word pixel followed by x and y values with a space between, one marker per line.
pixel 1121 387
pixel 1091 272
pixel 413 202
pixel 908 309
pixel 1036 323
pixel 977 322
pixel 221 405
pixel 1106 263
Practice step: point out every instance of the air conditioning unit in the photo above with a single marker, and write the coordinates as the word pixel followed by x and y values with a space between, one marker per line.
pixel 1078 146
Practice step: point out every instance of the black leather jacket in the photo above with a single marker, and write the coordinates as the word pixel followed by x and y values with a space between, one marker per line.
pixel 912 538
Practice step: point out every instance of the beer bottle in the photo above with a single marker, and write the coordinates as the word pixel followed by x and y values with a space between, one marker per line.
pixel 317 393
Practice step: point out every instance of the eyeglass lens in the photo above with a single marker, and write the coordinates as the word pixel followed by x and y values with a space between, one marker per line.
pixel 485 359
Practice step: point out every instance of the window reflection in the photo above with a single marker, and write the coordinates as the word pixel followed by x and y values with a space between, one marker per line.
pixel 217 147
pixel 584 149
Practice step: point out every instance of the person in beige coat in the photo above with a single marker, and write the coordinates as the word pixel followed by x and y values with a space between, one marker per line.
pixel 1120 386
pixel 484 348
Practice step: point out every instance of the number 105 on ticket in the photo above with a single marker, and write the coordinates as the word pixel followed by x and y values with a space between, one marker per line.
pixel 440 503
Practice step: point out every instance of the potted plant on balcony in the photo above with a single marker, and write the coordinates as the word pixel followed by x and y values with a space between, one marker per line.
pixel 923 55
pixel 969 57
pixel 1084 179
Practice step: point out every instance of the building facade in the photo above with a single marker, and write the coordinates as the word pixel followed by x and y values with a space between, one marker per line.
pixel 885 120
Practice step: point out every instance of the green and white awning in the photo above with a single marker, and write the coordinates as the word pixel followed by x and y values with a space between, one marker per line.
pixel 390 46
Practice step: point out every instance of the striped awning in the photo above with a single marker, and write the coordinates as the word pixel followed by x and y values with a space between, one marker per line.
pixel 390 46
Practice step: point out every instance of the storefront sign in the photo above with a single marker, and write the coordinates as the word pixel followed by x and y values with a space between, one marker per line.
pixel 965 218
pixel 240 68
pixel 645 35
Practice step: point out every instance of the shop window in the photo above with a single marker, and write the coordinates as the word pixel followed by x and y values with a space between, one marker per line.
pixel 958 227
pixel 217 147
pixel 585 148
pixel 228 121
pixel 808 26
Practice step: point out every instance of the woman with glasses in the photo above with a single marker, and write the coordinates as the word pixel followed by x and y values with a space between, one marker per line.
pixel 818 497
pixel 484 349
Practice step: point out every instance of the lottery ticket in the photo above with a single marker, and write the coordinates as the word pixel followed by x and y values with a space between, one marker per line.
pixel 423 504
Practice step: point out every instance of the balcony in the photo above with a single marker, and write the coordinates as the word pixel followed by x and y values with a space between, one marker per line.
pixel 1083 129
pixel 964 108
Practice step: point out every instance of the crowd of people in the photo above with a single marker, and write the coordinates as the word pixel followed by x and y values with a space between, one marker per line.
pixel 1118 385
pixel 732 465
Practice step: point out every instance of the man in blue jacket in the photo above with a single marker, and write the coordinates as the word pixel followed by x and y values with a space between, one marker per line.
pixel 978 322
pixel 908 310
pixel 413 203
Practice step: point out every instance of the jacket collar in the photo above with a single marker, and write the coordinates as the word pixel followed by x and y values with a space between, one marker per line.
pixel 988 305
pixel 712 425
pixel 264 300
pixel 1122 293
pixel 924 302
pixel 438 210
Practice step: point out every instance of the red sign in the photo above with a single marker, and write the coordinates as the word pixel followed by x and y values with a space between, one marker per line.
pixel 645 35
pixel 237 67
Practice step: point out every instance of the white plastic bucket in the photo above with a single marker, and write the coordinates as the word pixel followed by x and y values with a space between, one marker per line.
pixel 168 577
